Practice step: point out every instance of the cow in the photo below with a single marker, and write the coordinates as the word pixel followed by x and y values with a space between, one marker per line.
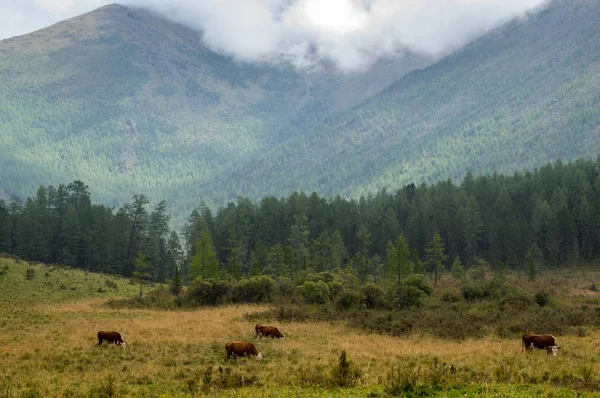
pixel 541 342
pixel 267 331
pixel 240 349
pixel 111 337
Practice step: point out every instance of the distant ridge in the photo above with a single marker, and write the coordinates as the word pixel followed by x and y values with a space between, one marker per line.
pixel 129 102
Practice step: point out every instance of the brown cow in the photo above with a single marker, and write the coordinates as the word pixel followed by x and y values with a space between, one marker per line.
pixel 268 331
pixel 240 349
pixel 541 342
pixel 111 337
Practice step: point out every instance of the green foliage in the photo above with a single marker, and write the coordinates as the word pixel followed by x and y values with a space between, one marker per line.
pixel 373 296
pixel 203 292
pixel 458 271
pixel 176 284
pixel 451 296
pixel 345 374
pixel 314 293
pixel 29 274
pixel 347 300
pixel 204 262
pixel 141 269
pixel 542 298
pixel 435 256
pixel 398 257
pixel 411 292
pixel 256 289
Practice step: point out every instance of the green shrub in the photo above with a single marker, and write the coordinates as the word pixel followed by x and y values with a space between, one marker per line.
pixel 285 286
pixel 373 296
pixel 257 289
pixel 419 281
pixel 346 300
pixel 542 298
pixel 314 293
pixel 408 296
pixel 345 374
pixel 451 296
pixel 516 301
pixel 336 288
pixel 30 273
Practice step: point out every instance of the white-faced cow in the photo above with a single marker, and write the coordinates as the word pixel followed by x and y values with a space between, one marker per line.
pixel 541 342
pixel 267 331
pixel 111 337
pixel 240 349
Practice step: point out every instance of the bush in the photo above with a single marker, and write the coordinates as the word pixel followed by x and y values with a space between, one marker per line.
pixel 30 274
pixel 257 289
pixel 347 300
pixel 285 286
pixel 345 374
pixel 418 281
pixel 373 296
pixel 314 293
pixel 517 301
pixel 408 296
pixel 451 296
pixel 336 288
pixel 542 298
pixel 204 292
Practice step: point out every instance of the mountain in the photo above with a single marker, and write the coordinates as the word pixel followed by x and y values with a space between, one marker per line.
pixel 522 95
pixel 129 102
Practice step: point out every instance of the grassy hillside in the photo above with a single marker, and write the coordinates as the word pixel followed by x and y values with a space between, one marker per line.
pixel 519 97
pixel 23 283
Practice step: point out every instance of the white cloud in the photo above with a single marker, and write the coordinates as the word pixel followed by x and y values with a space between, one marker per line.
pixel 350 33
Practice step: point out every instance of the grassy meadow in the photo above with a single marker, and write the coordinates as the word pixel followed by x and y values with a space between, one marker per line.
pixel 48 337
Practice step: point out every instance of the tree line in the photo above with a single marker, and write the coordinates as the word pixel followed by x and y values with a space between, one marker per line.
pixel 550 215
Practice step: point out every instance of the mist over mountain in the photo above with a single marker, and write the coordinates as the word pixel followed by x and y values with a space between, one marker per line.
pixel 131 102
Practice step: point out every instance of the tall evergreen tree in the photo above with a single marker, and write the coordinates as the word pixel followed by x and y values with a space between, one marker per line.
pixel 435 256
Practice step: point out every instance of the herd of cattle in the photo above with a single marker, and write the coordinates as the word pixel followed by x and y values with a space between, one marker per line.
pixel 234 348
pixel 245 348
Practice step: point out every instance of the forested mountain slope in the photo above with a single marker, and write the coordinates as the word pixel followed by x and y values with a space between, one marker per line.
pixel 130 102
pixel 522 95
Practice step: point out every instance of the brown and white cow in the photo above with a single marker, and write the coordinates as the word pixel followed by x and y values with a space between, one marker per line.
pixel 267 331
pixel 240 349
pixel 541 342
pixel 111 337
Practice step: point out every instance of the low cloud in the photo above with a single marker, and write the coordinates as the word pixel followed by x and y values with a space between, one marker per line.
pixel 351 34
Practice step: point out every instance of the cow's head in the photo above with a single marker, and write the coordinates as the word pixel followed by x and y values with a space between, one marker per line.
pixel 553 349
pixel 258 356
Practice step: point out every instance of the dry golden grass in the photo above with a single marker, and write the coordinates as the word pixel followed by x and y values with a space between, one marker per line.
pixel 49 351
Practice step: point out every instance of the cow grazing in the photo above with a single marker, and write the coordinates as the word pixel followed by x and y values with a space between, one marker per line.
pixel 111 337
pixel 268 331
pixel 541 342
pixel 240 349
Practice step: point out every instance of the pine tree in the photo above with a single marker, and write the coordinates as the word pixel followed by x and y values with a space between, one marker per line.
pixel 398 258
pixel 458 271
pixel 435 256
pixel 204 263
pixel 141 269
pixel 176 284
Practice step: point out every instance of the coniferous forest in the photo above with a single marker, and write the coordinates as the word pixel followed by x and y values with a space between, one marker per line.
pixel 550 216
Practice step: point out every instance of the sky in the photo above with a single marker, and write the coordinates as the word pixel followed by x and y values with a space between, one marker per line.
pixel 351 34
